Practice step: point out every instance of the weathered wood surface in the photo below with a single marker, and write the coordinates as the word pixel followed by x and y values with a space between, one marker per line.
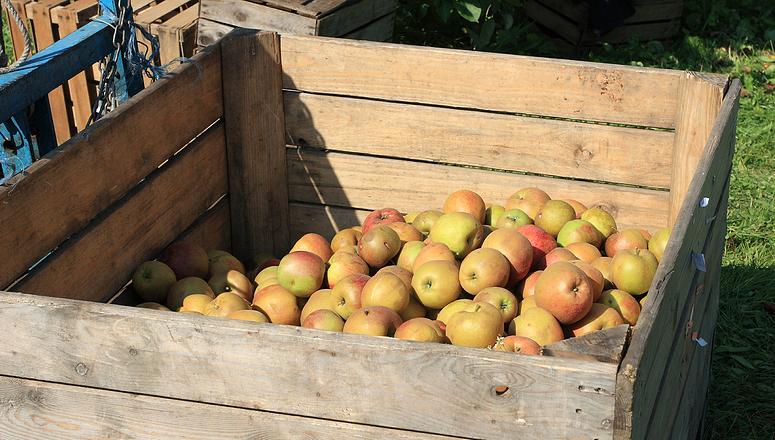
pixel 378 30
pixel 324 220
pixel 208 32
pixel 246 14
pixel 516 143
pixel 96 168
pixel 665 315
pixel 353 16
pixel 363 182
pixel 565 89
pixel 99 260
pixel 16 36
pixel 213 229
pixel 35 410
pixel 604 346
pixel 255 141
pixel 305 372
pixel 177 35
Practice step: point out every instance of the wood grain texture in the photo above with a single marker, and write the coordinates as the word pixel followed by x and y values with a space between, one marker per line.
pixel 93 264
pixel 365 182
pixel 213 229
pixel 255 141
pixel 699 105
pixel 96 168
pixel 208 32
pixel 514 143
pixel 134 350
pixel 566 89
pixel 380 29
pixel 323 220
pixel 353 16
pixel 35 409
pixel 246 14
pixel 604 346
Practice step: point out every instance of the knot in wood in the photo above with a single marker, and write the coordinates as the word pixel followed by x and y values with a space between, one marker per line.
pixel 581 155
pixel 81 369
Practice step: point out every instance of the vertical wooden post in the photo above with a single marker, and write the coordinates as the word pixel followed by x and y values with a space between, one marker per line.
pixel 255 142
pixel 699 104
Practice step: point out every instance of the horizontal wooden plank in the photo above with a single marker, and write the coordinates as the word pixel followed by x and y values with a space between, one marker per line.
pixel 385 382
pixel 508 83
pixel 324 220
pixel 35 409
pixel 78 180
pixel 208 32
pixel 566 27
pixel 99 260
pixel 364 182
pixel 515 143
pixel 353 16
pixel 605 345
pixel 380 29
pixel 213 229
pixel 246 14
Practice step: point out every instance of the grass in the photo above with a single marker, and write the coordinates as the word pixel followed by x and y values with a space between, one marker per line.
pixel 7 37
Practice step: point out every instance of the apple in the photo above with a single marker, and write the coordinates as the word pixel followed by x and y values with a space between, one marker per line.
pixel 224 304
pixel 633 270
pixel 478 325
pixel 643 301
pixel 421 330
pixel 502 299
pixel 559 254
pixel 538 325
pixel 314 243
pixel 542 243
pixel 379 245
pixel 584 251
pixel 513 218
pixel 492 214
pixel 345 238
pixel 374 321
pixel 425 220
pixel 646 234
pixel 232 281
pixel 594 275
pixel 153 306
pixel 529 200
pixel 433 252
pixel 600 317
pixel 602 220
pixel 450 309
pixel 413 310
pixel 406 232
pixel 658 243
pixel 466 201
pixel 516 248
pixel 576 231
pixel 222 261
pixel 324 319
pixel 603 264
pixel 265 274
pixel 248 315
pixel 626 239
pixel 526 287
pixel 347 294
pixel 344 265
pixel 518 344
pixel 410 216
pixel 527 304
pixel 152 280
pixel 579 207
pixel 409 253
pixel 565 291
pixel 301 273
pixel 381 217
pixel 196 302
pixel 622 302
pixel 553 216
pixel 460 231
pixel 186 259
pixel 322 299
pixel 436 283
pixel 278 304
pixel 387 290
pixel 484 268
pixel 187 286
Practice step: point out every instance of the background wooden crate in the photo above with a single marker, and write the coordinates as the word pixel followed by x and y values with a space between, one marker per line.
pixel 173 22
pixel 294 156
pixel 653 20
pixel 354 19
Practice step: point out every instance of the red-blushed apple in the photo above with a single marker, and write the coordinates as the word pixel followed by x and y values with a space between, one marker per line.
pixel 187 286
pixel 492 214
pixel 513 218
pixel 502 299
pixel 196 302
pixel 436 283
pixel 410 216
pixel 584 251
pixel 222 261
pixel 553 216
pixel 529 200
pixel 622 302
pixel 465 201
pixel 602 220
pixel 633 270
pixel 278 304
pixel 153 306
pixel 248 315
pixel 314 243
pixel 565 291
pixel 381 217
pixel 559 254
pixel 409 253
pixel 261 261
pixel 578 231
pixel 537 324
pixel 406 232
pixel 413 310
pixel 516 248
pixel 526 287
pixel 324 319
pixel 345 238
pixel 387 290
pixel 374 321
pixel 186 259
pixel 433 252
pixel 518 344
pixel 478 325
pixel 658 242
pixel 344 265
pixel 301 273
pixel 224 304
pixel 527 304
pixel 232 281
pixel 626 239
pixel 603 264
pixel 322 299
pixel 152 280
pixel 594 275
pixel 426 219
pixel 460 231
pixel 579 207
pixel 484 268
pixel 542 243
pixel 347 294
pixel 421 330
pixel 378 246
pixel 600 317
pixel 452 308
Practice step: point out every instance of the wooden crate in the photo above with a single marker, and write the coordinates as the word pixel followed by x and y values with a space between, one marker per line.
pixel 653 20
pixel 354 19
pixel 257 144
pixel 173 22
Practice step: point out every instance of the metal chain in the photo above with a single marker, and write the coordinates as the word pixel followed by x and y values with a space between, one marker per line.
pixel 106 96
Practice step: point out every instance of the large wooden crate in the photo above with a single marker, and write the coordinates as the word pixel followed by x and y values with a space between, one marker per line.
pixel 266 138
pixel 354 19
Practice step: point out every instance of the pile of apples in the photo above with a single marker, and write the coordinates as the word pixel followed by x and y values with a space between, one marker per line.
pixel 511 278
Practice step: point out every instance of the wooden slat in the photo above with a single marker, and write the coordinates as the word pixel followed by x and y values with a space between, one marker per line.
pixel 81 178
pixel 213 229
pixel 96 262
pixel 535 145
pixel 567 89
pixel 245 14
pixel 36 409
pixel 323 220
pixel 16 36
pixel 157 12
pixel 566 28
pixel 255 125
pixel 364 182
pixel 135 350
pixel 351 17
pixel 208 32
pixel 177 35
pixel 604 346
pixel 380 29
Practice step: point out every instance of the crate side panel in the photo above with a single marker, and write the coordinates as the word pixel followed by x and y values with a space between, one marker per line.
pixel 380 29
pixel 324 220
pixel 208 32
pixel 245 14
pixel 352 17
